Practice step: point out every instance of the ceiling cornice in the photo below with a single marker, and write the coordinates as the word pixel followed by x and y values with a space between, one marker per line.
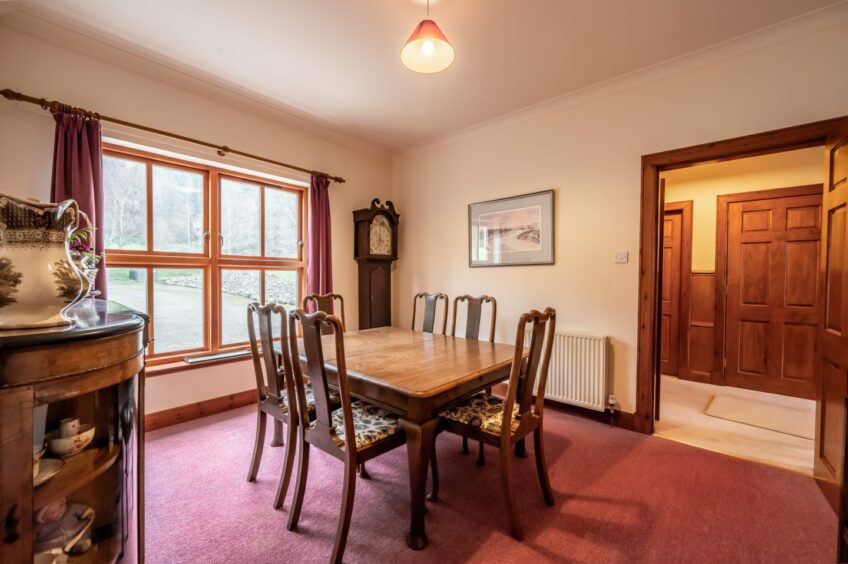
pixel 794 28
pixel 70 34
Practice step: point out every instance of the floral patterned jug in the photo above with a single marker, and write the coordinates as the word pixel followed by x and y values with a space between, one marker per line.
pixel 38 280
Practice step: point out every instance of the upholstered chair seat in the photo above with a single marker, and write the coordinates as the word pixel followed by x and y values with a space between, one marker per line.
pixel 484 411
pixel 310 398
pixel 370 424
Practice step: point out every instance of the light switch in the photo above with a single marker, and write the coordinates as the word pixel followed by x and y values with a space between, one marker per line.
pixel 621 257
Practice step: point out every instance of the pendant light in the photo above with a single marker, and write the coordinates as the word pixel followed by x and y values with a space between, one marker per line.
pixel 427 50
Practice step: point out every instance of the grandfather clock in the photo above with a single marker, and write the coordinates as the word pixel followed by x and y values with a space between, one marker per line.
pixel 375 248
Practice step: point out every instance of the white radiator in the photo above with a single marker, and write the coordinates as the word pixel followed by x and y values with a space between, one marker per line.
pixel 578 371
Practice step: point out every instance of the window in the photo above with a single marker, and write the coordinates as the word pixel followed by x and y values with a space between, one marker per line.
pixel 192 245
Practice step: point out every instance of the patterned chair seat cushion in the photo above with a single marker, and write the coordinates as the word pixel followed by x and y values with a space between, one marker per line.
pixel 482 410
pixel 370 423
pixel 310 398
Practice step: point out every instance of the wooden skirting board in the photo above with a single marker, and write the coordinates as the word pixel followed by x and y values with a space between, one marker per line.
pixel 183 413
pixel 621 419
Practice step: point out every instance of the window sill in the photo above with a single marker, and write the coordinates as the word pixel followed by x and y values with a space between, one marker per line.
pixel 182 366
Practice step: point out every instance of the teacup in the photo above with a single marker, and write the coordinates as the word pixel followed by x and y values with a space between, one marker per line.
pixel 69 427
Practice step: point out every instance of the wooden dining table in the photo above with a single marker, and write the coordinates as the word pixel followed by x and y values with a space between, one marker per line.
pixel 416 375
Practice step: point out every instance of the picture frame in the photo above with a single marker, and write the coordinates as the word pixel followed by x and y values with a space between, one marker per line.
pixel 512 231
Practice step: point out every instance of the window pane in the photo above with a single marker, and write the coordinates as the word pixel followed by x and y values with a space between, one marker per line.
pixel 240 218
pixel 177 210
pixel 281 223
pixel 177 309
pixel 128 287
pixel 281 288
pixel 125 203
pixel 238 288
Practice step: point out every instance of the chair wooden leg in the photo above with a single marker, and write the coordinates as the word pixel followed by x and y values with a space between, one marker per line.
pixel 481 458
pixel 258 445
pixel 434 470
pixel 277 439
pixel 465 445
pixel 300 487
pixel 346 511
pixel 509 493
pixel 520 449
pixel 542 466
pixel 288 464
pixel 363 473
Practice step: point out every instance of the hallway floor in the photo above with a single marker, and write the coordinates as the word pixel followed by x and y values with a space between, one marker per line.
pixel 682 419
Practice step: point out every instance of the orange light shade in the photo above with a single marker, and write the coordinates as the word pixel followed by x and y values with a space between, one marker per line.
pixel 427 50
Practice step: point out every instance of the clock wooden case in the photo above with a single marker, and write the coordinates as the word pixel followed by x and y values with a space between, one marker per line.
pixel 375 248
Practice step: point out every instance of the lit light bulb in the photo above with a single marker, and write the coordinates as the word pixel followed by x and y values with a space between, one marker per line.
pixel 427 48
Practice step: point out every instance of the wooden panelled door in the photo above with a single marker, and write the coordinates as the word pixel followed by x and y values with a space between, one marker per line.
pixel 833 324
pixel 773 249
pixel 670 293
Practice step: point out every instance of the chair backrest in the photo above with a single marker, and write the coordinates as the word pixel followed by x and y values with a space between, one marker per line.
pixel 313 347
pixel 523 374
pixel 430 303
pixel 272 376
pixel 474 312
pixel 326 303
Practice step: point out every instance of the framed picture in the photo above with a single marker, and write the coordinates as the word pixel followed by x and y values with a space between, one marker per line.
pixel 512 231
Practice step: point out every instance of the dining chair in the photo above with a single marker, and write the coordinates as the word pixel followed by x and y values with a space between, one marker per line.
pixel 273 381
pixel 430 302
pixel 355 432
pixel 503 422
pixel 326 303
pixel 473 315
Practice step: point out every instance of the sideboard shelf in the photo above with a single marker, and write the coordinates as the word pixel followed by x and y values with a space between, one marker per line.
pixel 78 471
pixel 107 550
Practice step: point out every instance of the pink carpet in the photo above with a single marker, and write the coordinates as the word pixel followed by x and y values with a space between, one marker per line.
pixel 620 497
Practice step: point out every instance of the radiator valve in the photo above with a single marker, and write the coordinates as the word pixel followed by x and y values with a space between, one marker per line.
pixel 612 404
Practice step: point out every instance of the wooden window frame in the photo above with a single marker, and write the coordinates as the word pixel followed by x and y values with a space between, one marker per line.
pixel 212 262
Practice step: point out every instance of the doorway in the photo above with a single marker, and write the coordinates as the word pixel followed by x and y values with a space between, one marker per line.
pixel 831 357
pixel 761 278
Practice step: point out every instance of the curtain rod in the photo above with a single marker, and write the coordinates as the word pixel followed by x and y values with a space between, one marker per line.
pixel 222 150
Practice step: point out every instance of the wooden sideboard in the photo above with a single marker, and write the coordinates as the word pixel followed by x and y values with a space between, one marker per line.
pixel 92 370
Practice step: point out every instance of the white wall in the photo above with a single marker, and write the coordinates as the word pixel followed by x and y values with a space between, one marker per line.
pixel 588 146
pixel 37 67
pixel 703 184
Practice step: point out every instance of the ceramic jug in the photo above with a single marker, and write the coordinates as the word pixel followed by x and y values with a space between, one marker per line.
pixel 38 280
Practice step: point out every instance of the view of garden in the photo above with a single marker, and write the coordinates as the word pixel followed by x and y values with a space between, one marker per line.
pixel 178 294
pixel 177 206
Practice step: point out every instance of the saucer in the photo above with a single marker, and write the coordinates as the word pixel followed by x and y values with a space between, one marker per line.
pixel 49 467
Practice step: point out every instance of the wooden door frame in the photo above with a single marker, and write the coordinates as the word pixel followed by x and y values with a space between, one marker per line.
pixel 647 353
pixel 685 210
pixel 722 236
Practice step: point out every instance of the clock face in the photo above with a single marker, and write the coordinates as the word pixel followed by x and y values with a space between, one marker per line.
pixel 381 236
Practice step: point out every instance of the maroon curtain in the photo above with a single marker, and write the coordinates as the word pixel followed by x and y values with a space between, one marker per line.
pixel 78 174
pixel 319 260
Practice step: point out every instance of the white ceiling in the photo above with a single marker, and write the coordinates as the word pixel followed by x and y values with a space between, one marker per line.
pixel 338 61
